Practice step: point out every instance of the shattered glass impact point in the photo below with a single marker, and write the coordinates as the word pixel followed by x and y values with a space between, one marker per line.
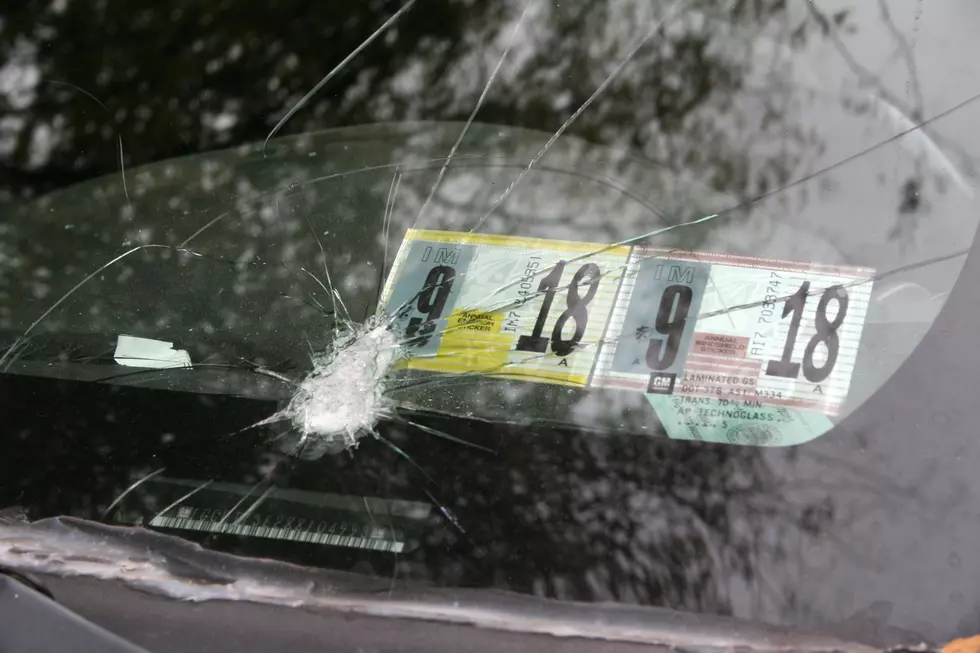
pixel 342 399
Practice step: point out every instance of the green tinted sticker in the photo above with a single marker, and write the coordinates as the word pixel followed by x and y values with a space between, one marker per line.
pixel 733 421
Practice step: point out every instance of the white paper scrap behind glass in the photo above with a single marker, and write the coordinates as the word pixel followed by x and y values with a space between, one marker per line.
pixel 132 351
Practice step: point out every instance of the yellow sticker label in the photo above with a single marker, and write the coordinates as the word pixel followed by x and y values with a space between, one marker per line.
pixel 515 307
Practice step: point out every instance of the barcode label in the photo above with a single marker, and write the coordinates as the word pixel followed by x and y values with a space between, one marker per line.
pixel 274 533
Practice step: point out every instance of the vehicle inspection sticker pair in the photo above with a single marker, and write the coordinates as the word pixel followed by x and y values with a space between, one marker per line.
pixel 726 348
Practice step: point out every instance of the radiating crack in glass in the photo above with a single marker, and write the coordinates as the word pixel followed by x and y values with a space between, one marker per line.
pixel 350 388
pixel 618 68
pixel 472 116
pixel 337 69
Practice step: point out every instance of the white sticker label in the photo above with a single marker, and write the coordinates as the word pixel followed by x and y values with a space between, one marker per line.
pixel 132 351
pixel 732 328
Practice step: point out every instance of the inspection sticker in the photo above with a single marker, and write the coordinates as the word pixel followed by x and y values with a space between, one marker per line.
pixel 523 308
pixel 751 331
pixel 722 332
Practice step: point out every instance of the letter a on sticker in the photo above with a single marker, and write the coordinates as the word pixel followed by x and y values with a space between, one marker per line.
pixel 564 362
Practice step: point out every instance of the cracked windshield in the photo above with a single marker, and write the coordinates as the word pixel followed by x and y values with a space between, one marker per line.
pixel 603 301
